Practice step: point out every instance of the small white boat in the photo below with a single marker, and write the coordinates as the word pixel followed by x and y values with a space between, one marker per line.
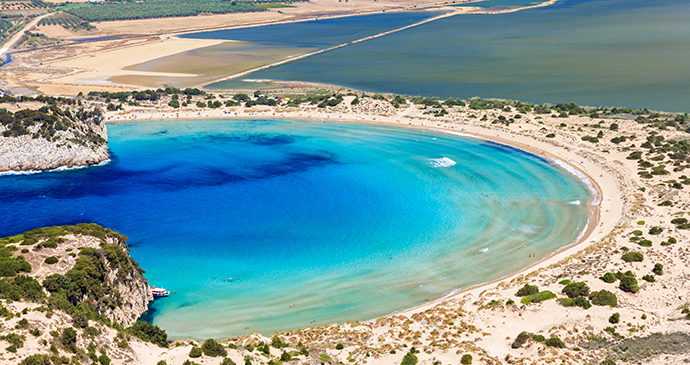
pixel 159 292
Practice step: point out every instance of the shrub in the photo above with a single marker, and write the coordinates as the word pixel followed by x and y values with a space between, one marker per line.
pixel 632 257
pixel 162 362
pixel 38 359
pixel 68 340
pixel 520 340
pixel 565 282
pixel 285 357
pixel 212 348
pixel 527 290
pixel 665 203
pixel 655 230
pixel 608 362
pixel 410 358
pixel 51 260
pixel 582 302
pixel 538 338
pixel 679 221
pixel 658 269
pixel 566 302
pixel 637 232
pixel 649 278
pixel 195 352
pixel 603 297
pixel 608 278
pixel 645 243
pixel 615 318
pixel 466 359
pixel 629 284
pixel 104 360
pixel 574 290
pixel 539 297
pixel 227 361
pixel 149 332
pixel 555 342
pixel 339 346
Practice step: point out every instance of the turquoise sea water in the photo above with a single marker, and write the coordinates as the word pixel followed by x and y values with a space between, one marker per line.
pixel 345 221
pixel 631 53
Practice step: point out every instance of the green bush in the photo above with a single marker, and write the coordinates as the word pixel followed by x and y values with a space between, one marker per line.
pixel 227 361
pixel 104 360
pixel 212 348
pixel 51 260
pixel 608 362
pixel 615 318
pixel 632 257
pixel 38 359
pixel 658 269
pixel 538 338
pixel 629 284
pixel 566 302
pixel 655 230
pixel 195 352
pixel 574 290
pixel 466 359
pixel 527 290
pixel 582 302
pixel 637 232
pixel 410 358
pixel 339 346
pixel 149 332
pixel 539 297
pixel 565 282
pixel 285 357
pixel 649 278
pixel 555 342
pixel 608 278
pixel 520 340
pixel 645 243
pixel 603 297
pixel 68 340
pixel 677 221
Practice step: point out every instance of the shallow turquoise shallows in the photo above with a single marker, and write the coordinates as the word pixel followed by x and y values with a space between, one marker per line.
pixel 273 224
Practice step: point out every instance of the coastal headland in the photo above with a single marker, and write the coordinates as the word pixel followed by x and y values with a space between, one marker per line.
pixel 617 294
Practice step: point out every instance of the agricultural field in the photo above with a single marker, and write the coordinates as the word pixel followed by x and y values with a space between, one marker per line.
pixel 68 21
pixel 119 10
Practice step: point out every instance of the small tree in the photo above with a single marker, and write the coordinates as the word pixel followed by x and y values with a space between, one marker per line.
pixel 608 278
pixel 520 340
pixel 466 359
pixel 603 297
pixel 527 290
pixel 555 342
pixel 632 257
pixel 658 269
pixel 629 284
pixel 195 352
pixel 574 290
pixel 615 318
pixel 212 348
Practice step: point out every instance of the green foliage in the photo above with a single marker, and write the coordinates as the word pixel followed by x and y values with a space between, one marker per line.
pixel 582 302
pixel 466 359
pixel 632 257
pixel 21 287
pixel 629 284
pixel 339 346
pixel 658 269
pixel 615 318
pixel 649 278
pixel 14 339
pixel 603 297
pixel 410 358
pixel 104 360
pixel 608 278
pixel 527 290
pixel 655 230
pixel 555 342
pixel 608 362
pixel 538 298
pixel 285 356
pixel 50 260
pixel 578 289
pixel 520 340
pixel 665 203
pixel 565 282
pixel 68 340
pixel 538 338
pixel 152 333
pixel 195 352
pixel 566 302
pixel 212 348
pixel 227 361
pixel 38 359
pixel 635 155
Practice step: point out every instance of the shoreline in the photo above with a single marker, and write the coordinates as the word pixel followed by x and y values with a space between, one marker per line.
pixel 586 234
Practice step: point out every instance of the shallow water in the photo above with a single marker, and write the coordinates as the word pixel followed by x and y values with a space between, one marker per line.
pixel 629 53
pixel 346 221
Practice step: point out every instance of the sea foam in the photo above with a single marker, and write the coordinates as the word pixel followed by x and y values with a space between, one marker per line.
pixel 441 162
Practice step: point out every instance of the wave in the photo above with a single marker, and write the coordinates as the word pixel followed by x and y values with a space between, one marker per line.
pixel 574 202
pixel 485 249
pixel 573 171
pixel 441 162
pixel 61 168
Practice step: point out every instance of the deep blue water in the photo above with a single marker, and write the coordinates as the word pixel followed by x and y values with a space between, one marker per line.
pixel 346 221
pixel 630 53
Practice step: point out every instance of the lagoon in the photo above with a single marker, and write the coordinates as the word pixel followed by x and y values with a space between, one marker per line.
pixel 343 221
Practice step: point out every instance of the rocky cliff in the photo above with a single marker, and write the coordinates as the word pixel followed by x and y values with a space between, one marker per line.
pixel 85 265
pixel 45 136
